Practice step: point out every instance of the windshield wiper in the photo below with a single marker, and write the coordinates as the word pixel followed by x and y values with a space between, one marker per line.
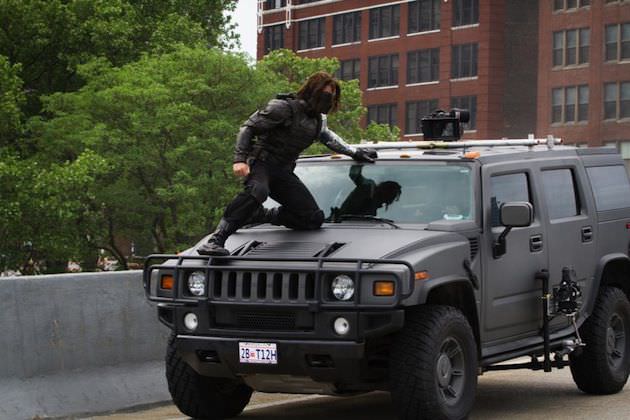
pixel 341 217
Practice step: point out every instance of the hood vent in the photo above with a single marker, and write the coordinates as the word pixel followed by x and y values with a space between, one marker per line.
pixel 287 249
pixel 331 249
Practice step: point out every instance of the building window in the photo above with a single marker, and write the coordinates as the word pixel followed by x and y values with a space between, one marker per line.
pixel 311 33
pixel 571 47
pixel 616 100
pixel 423 65
pixel 560 5
pixel 383 114
pixel 383 71
pixel 569 104
pixel 348 69
pixel 617 42
pixel 307 1
pixel 275 4
pixel 469 103
pixel 384 21
pixel 424 15
pixel 415 112
pixel 274 37
pixel 347 28
pixel 465 12
pixel 464 61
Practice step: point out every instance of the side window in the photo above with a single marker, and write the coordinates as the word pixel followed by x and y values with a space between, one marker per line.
pixel 560 193
pixel 506 188
pixel 610 186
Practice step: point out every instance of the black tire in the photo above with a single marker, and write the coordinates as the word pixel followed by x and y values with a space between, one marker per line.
pixel 602 366
pixel 202 397
pixel 433 365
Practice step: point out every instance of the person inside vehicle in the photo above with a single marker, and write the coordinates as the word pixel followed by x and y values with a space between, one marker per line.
pixel 267 146
pixel 367 196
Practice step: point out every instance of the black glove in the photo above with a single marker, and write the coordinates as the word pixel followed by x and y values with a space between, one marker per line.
pixel 365 155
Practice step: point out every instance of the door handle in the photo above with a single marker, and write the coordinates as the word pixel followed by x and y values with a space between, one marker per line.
pixel 535 243
pixel 587 234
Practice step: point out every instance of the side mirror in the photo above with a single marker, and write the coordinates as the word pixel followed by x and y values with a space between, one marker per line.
pixel 517 214
pixel 512 214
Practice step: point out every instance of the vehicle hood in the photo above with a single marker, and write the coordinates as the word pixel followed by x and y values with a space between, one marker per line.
pixel 351 241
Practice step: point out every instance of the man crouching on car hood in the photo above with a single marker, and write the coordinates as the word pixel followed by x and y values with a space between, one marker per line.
pixel 288 125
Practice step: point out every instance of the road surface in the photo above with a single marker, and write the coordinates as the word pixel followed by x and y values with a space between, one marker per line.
pixel 519 394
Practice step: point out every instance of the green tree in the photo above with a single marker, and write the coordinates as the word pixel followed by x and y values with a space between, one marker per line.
pixel 46 207
pixel 165 126
pixel 11 99
pixel 50 38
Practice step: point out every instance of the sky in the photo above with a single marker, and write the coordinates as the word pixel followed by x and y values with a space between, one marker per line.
pixel 245 17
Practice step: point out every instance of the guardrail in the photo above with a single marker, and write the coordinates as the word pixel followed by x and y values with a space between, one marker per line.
pixel 78 343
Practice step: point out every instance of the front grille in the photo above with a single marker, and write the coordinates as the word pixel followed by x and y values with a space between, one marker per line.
pixel 262 286
pixel 267 321
pixel 228 317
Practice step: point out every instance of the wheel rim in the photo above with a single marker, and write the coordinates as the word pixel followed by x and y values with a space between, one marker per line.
pixel 449 369
pixel 615 341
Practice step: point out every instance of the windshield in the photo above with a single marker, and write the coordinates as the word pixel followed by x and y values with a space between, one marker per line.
pixel 412 193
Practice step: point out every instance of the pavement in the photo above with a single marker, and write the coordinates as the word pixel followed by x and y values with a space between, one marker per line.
pixel 518 394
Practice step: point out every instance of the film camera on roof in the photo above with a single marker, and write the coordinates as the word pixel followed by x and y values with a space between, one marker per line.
pixel 446 126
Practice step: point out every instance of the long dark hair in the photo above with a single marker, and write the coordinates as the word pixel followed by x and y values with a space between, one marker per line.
pixel 312 89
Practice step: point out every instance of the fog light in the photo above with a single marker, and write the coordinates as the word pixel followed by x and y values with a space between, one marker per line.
pixel 190 321
pixel 342 287
pixel 197 283
pixel 342 326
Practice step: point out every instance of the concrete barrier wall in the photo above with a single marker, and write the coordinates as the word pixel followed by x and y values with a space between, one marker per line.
pixel 57 326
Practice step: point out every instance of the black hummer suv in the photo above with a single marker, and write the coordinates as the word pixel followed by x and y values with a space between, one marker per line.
pixel 484 252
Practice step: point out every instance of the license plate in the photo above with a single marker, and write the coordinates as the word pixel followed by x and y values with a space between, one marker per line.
pixel 262 353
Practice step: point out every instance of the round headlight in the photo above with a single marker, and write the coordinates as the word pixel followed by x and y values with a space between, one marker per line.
pixel 343 287
pixel 197 283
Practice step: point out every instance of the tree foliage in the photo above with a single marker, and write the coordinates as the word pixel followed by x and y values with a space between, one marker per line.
pixel 50 38
pixel 165 125
pixel 11 100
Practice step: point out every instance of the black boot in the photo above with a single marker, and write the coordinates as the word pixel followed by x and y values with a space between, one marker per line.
pixel 216 242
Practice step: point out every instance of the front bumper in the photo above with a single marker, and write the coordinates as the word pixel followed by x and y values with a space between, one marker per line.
pixel 344 365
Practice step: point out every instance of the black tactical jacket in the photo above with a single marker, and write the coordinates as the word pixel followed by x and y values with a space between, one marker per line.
pixel 283 130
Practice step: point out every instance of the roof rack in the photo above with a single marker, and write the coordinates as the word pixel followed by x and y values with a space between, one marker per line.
pixel 550 141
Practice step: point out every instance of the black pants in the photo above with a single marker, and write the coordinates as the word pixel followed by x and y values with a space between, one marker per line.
pixel 298 209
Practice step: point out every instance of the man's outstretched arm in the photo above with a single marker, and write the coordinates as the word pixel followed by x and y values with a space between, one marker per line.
pixel 335 143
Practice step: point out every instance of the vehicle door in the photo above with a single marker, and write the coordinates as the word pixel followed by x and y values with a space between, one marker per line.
pixel 511 308
pixel 569 216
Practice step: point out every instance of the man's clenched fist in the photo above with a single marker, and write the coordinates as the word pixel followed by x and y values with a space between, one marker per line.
pixel 240 169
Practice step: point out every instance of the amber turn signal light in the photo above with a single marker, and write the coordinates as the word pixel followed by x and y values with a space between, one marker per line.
pixel 384 288
pixel 422 275
pixel 166 282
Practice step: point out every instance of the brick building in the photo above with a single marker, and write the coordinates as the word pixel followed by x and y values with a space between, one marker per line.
pixel 584 72
pixel 414 56
pixel 557 67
